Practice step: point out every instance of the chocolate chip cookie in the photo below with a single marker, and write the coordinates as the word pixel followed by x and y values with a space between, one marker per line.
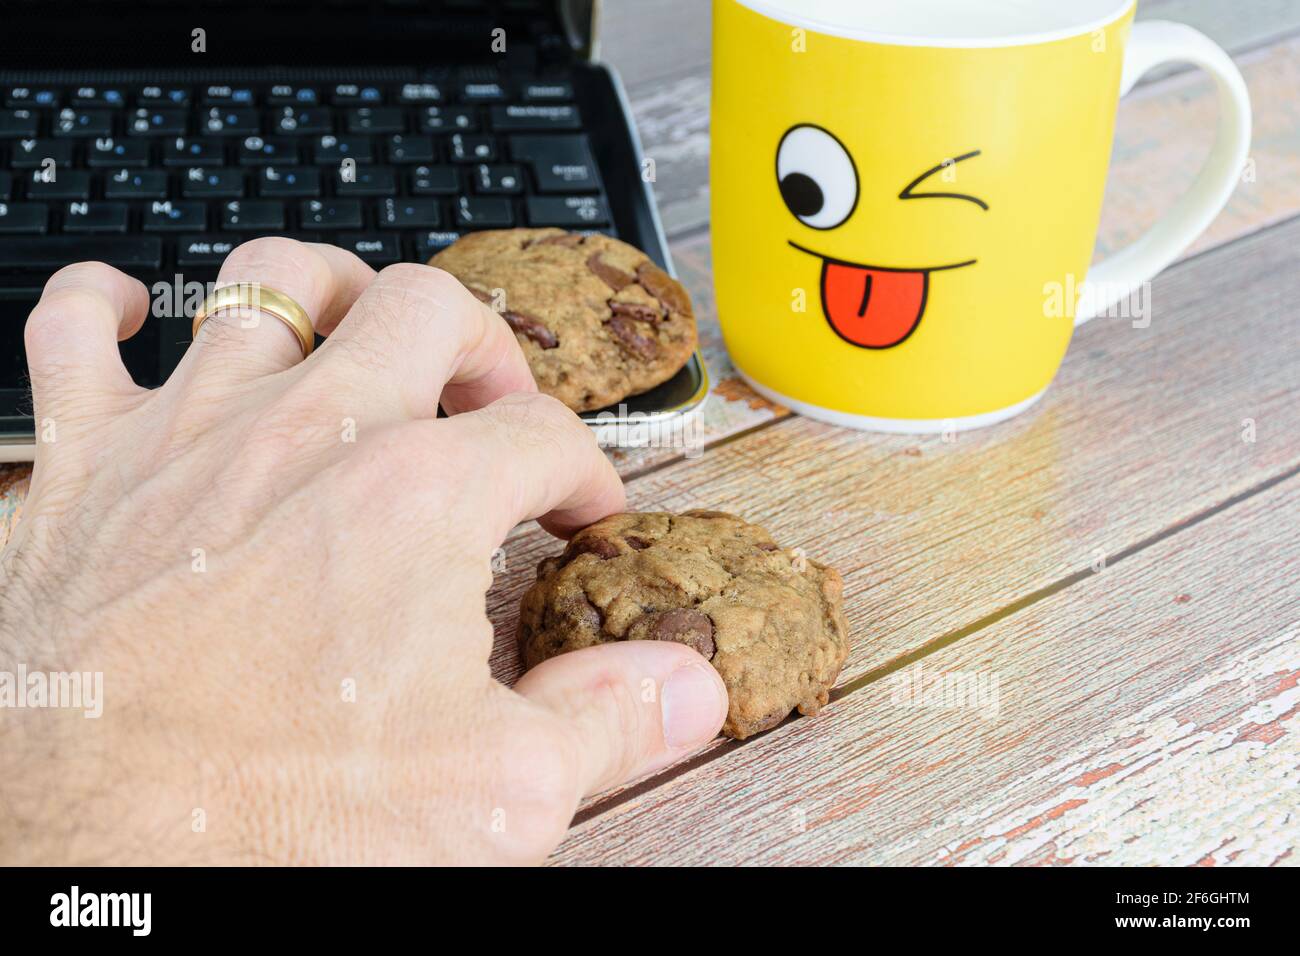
pixel 597 320
pixel 769 620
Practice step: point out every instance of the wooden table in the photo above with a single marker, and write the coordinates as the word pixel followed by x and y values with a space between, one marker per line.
pixel 1113 573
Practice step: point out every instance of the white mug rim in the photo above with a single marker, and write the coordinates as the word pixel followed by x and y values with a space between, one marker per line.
pixel 766 8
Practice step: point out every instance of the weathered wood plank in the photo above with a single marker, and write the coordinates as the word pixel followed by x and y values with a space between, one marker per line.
pixel 1235 27
pixel 650 41
pixel 1147 714
pixel 1143 430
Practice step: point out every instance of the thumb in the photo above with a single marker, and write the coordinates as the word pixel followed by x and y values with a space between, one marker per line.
pixel 634 707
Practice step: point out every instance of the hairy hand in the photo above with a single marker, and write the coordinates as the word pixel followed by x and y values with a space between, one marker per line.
pixel 279 567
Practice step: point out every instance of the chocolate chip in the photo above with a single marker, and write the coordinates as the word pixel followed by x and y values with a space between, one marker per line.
pixel 637 544
pixel 602 548
pixel 583 611
pixel 564 239
pixel 531 328
pixel 700 513
pixel 612 276
pixel 663 287
pixel 548 566
pixel 635 311
pixel 624 330
pixel 685 626
pixel 484 297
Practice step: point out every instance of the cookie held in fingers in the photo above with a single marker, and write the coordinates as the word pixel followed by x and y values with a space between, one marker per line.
pixel 770 621
pixel 597 320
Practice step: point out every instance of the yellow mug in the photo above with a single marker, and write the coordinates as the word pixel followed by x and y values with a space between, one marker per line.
pixel 906 194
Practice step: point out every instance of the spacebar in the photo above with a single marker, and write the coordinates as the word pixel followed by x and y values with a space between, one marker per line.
pixel 132 252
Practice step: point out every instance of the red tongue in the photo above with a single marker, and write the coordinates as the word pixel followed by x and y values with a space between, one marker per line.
pixel 872 308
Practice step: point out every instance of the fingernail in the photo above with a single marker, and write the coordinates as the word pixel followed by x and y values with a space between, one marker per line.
pixel 694 704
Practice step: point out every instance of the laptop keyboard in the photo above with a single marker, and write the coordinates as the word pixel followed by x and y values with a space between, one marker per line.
pixel 152 178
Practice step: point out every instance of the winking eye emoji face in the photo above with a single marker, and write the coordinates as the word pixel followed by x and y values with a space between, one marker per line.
pixel 898 229
pixel 870 305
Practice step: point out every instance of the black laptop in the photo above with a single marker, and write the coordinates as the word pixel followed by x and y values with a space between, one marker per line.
pixel 156 135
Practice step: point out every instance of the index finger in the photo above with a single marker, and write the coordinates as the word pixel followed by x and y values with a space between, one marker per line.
pixel 531 457
pixel 429 341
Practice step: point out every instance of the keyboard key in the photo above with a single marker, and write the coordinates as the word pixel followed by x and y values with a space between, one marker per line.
pixel 471 148
pixel 145 121
pixel 376 119
pixel 498 180
pixel 109 152
pixel 374 249
pixel 401 148
pixel 105 96
pixel 212 182
pixel 172 216
pixel 568 212
pixel 512 118
pixel 434 241
pixel 296 121
pixel 183 151
pixel 290 94
pixel 20 123
pixel 288 181
pixel 24 217
pixel 330 214
pixel 32 96
pixel 95 217
pixel 366 181
pixel 252 215
pixel 204 250
pixel 543 92
pixel 228 121
pixel 223 95
pixel 419 93
pixel 64 184
pixel 162 96
pixel 35 153
pixel 6 185
pixel 476 92
pixel 354 94
pixel 135 184
pixel 140 253
pixel 332 149
pixel 442 119
pixel 410 214
pixel 76 122
pixel 560 163
pixel 259 151
pixel 472 212
pixel 435 181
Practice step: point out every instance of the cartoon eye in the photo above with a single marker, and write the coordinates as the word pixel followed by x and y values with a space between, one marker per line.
pixel 818 180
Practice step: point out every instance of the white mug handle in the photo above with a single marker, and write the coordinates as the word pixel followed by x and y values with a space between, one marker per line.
pixel 1151 43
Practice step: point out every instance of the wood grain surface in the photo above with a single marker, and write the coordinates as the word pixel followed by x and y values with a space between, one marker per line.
pixel 1149 713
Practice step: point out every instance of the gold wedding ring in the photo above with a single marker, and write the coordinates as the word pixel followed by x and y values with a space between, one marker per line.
pixel 259 298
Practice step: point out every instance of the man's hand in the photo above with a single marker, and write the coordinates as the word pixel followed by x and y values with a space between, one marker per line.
pixel 279 567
